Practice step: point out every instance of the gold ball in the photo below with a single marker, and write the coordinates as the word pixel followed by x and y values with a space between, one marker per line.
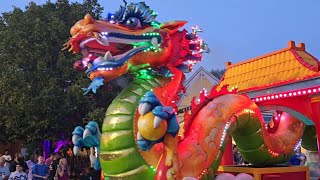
pixel 145 127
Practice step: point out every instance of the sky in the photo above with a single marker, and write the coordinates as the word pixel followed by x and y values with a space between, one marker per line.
pixel 235 30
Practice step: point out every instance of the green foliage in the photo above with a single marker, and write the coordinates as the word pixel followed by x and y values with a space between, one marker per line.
pixel 218 73
pixel 40 93
pixel 309 138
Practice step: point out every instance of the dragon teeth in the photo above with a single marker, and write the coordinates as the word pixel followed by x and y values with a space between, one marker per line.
pixel 103 40
pixel 154 41
pixel 108 56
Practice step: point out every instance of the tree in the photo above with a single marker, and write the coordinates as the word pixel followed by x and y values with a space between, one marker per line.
pixel 218 72
pixel 40 93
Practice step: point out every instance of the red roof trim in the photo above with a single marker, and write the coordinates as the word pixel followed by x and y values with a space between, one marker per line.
pixel 303 62
pixel 318 68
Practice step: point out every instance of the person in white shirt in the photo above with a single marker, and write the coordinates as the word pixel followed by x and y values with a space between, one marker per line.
pixel 18 174
pixel 7 158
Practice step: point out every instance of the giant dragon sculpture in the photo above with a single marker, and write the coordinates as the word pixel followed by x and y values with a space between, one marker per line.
pixel 140 137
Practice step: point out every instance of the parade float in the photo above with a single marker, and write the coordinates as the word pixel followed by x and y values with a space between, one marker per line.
pixel 140 138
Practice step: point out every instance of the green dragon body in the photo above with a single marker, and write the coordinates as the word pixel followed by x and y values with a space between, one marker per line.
pixel 118 147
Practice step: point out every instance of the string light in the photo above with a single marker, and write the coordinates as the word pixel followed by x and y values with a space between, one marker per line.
pixel 202 173
pixel 273 153
pixel 233 88
pixel 298 145
pixel 249 111
pixel 153 168
pixel 284 95
pixel 155 24
pixel 224 133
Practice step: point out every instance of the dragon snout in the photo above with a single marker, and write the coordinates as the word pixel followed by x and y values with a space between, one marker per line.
pixel 87 20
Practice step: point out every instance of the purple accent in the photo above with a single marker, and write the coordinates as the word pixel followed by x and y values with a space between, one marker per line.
pixel 59 144
pixel 46 149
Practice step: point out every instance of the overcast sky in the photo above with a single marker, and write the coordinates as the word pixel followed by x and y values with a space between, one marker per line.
pixel 235 30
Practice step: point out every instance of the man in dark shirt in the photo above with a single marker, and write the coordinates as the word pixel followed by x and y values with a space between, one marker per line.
pixel 18 160
pixel 53 166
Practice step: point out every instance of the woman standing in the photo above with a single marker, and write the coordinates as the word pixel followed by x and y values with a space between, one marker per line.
pixel 63 170
pixel 31 163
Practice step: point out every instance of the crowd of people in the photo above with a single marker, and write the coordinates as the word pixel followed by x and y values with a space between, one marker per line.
pixel 55 167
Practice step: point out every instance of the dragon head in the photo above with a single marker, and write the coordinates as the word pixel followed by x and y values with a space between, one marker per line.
pixel 131 40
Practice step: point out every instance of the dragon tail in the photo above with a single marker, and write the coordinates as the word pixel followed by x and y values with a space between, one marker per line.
pixel 203 145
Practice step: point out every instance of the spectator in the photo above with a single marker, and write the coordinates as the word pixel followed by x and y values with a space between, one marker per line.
pixel 63 170
pixel 53 166
pixel 18 174
pixel 49 160
pixel 30 163
pixel 18 160
pixel 298 159
pixel 4 170
pixel 61 154
pixel 94 174
pixel 40 170
pixel 7 158
pixel 85 174
pixel 237 158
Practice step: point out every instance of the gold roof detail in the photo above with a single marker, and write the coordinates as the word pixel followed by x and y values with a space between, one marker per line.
pixel 280 67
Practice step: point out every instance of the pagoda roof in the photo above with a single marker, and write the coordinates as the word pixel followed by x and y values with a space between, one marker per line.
pixel 285 66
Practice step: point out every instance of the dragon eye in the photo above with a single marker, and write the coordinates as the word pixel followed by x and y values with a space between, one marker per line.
pixel 133 22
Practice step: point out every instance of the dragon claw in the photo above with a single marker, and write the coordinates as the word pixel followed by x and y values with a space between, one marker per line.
pixel 75 138
pixel 93 159
pixel 156 122
pixel 86 133
pixel 88 137
pixel 150 103
pixel 151 99
pixel 76 150
pixel 144 108
pixel 145 144
pixel 139 136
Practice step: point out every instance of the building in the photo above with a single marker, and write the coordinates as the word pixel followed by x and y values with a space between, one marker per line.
pixel 200 80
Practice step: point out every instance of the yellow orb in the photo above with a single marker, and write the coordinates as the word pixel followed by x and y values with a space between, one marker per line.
pixel 145 127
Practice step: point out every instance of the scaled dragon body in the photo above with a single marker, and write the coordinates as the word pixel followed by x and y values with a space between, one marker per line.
pixel 139 137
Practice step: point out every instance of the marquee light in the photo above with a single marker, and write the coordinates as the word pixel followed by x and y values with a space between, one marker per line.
pixel 287 94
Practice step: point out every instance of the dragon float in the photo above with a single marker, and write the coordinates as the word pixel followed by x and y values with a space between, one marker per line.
pixel 140 136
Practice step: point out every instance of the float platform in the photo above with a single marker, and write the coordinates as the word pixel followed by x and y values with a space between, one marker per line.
pixel 269 173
